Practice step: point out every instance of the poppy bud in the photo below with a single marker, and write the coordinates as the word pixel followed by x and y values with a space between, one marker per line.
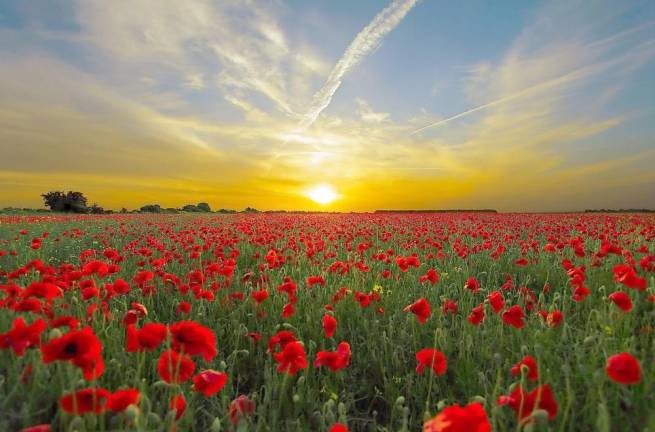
pixel 132 412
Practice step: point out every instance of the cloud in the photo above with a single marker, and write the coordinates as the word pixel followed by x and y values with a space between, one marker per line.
pixel 366 41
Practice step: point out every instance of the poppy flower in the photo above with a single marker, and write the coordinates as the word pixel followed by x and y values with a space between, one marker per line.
pixel 430 276
pixel 81 347
pixel 621 300
pixel 149 337
pixel 524 403
pixel 623 368
pixel 329 325
pixel 529 362
pixel 183 308
pixel 339 359
pixel 338 427
pixel 514 316
pixel 175 368
pixel 119 400
pixel 477 315
pixel 449 306
pixel 194 339
pixel 288 310
pixel 91 400
pixel 315 280
pixel 552 319
pixel 496 301
pixel 627 275
pixel 472 284
pixel 259 296
pixel 421 308
pixel 471 418
pixel 22 336
pixel 280 340
pixel 431 358
pixel 240 407
pixel 178 403
pixel 291 359
pixel 209 382
pixel 37 428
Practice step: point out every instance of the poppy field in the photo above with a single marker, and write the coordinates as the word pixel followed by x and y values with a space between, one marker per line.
pixel 327 322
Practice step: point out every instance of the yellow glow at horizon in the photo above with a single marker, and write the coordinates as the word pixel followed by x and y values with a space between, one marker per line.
pixel 322 194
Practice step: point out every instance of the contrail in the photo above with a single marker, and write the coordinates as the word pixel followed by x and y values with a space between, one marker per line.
pixel 575 74
pixel 364 43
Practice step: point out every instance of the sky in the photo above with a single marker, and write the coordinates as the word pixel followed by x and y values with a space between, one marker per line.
pixel 329 105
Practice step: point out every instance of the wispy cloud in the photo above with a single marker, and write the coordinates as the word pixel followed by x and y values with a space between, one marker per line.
pixel 364 43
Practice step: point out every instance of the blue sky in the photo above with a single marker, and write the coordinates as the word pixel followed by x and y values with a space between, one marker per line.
pixel 514 105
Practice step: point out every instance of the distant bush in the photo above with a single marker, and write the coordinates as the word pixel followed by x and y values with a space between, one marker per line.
pixel 96 209
pixel 150 208
pixel 70 201
pixel 204 207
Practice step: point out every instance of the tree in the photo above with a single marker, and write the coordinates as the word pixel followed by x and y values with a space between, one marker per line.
pixel 204 207
pixel 190 208
pixel 150 208
pixel 96 209
pixel 65 202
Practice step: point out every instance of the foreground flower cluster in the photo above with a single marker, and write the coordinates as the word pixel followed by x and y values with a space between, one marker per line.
pixel 445 322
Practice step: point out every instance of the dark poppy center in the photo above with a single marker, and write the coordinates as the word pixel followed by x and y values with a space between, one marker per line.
pixel 70 349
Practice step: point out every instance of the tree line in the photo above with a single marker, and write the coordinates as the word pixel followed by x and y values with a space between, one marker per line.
pixel 76 202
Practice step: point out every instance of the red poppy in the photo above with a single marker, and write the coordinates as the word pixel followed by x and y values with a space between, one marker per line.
pixel 37 428
pixel 194 339
pixel 524 403
pixel 339 359
pixel 288 310
pixel 514 316
pixel 183 308
pixel 627 275
pixel 471 418
pixel 621 300
pixel 472 284
pixel 477 315
pixel 623 368
pixel 315 280
pixel 531 364
pixel 431 358
pixel 291 359
pixel 119 400
pixel 178 403
pixel 175 368
pixel 552 319
pixel 421 308
pixel 259 296
pixel 80 347
pixel 240 407
pixel 496 301
pixel 209 382
pixel 22 336
pixel 431 276
pixel 91 400
pixel 449 306
pixel 148 337
pixel 338 427
pixel 329 325
pixel 280 339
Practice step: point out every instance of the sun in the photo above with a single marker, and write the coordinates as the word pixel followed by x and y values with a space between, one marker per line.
pixel 322 194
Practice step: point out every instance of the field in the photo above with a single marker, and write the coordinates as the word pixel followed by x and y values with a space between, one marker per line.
pixel 275 322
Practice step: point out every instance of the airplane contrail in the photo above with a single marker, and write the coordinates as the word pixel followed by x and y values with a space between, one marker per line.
pixel 575 74
pixel 364 43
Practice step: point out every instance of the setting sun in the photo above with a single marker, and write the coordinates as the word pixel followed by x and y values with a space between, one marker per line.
pixel 322 194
